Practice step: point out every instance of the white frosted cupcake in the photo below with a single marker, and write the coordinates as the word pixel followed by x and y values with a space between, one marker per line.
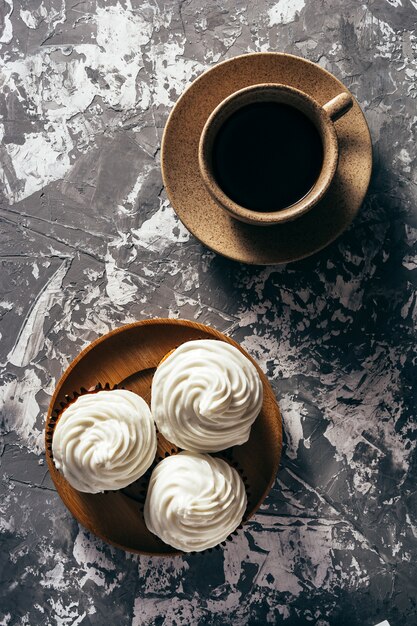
pixel 194 501
pixel 206 395
pixel 104 440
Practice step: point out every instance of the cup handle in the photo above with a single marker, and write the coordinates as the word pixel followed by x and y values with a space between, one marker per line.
pixel 338 106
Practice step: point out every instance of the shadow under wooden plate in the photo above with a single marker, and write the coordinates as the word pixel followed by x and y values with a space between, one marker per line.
pixel 127 357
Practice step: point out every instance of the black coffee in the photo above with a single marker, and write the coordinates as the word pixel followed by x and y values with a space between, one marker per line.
pixel 267 156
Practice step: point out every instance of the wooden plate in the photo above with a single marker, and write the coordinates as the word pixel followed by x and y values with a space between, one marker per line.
pixel 128 357
pixel 200 213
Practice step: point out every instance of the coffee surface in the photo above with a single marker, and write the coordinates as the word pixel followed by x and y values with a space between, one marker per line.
pixel 267 156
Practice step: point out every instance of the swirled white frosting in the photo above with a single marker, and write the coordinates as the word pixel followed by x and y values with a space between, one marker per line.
pixel 194 501
pixel 104 440
pixel 206 396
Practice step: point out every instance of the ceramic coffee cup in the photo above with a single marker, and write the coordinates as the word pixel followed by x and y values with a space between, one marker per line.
pixel 322 117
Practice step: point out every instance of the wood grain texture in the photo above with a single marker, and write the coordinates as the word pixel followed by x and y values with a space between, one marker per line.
pixel 127 357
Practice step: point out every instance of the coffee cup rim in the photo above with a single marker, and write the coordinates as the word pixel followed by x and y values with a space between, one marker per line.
pixel 272 92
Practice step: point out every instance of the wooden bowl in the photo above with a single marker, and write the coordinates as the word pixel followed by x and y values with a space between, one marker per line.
pixel 127 357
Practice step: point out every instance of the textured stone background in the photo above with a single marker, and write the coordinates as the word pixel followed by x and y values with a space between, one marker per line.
pixel 89 242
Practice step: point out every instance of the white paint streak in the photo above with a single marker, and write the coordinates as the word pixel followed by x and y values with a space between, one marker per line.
pixel 381 32
pixel 292 412
pixel 147 610
pixel 68 88
pixel 412 526
pixel 172 71
pixel 120 35
pixel 31 336
pixel 55 578
pixel 7 524
pixel 94 564
pixel 35 270
pixel 42 159
pixel 19 405
pixel 7 35
pixel 66 613
pixel 404 157
pixel 349 293
pixel 28 18
pixel 161 230
pixel 119 288
pixel 73 76
pixel 285 11
pixel 140 181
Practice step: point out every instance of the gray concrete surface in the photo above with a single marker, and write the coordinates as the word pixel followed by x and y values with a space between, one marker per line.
pixel 89 242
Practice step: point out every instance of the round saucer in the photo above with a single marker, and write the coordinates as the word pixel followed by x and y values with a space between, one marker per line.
pixel 201 214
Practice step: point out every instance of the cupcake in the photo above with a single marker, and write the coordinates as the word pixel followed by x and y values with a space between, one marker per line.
pixel 205 396
pixel 104 441
pixel 194 501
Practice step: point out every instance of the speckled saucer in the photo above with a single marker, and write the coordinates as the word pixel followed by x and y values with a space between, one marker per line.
pixel 127 358
pixel 201 214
